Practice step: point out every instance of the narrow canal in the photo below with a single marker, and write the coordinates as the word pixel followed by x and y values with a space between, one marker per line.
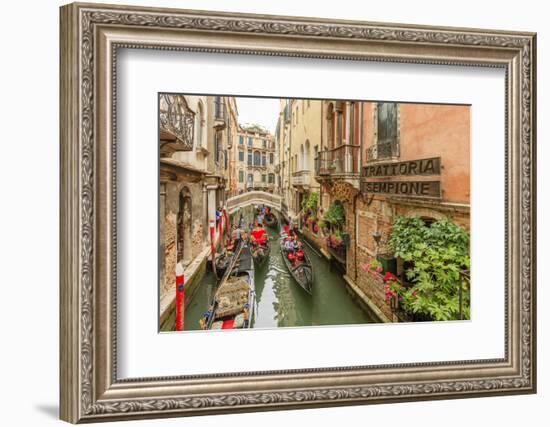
pixel 281 301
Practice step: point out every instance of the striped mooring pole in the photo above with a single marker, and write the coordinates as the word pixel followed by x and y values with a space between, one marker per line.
pixel 180 297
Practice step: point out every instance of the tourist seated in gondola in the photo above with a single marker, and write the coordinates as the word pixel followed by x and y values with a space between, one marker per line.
pixel 299 252
pixel 291 248
pixel 259 235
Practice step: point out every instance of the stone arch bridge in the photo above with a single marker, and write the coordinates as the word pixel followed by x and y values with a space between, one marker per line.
pixel 253 198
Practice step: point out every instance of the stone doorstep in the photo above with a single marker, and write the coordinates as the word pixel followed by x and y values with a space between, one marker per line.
pixel 167 303
pixel 366 300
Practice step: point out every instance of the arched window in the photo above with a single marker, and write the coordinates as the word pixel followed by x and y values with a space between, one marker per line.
pixel 184 221
pixel 330 126
pixel 301 158
pixel 306 155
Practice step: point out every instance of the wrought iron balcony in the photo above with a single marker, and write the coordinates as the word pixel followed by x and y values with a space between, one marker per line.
pixel 177 124
pixel 383 150
pixel 301 178
pixel 342 161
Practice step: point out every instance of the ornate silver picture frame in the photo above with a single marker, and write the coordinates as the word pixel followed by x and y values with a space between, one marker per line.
pixel 91 36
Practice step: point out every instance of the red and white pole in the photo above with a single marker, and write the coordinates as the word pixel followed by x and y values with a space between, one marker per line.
pixel 228 232
pixel 212 228
pixel 220 230
pixel 180 297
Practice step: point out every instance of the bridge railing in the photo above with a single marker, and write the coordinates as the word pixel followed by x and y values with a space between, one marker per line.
pixel 258 197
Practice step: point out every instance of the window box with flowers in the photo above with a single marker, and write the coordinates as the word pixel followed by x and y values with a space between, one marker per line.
pixel 333 223
pixel 309 211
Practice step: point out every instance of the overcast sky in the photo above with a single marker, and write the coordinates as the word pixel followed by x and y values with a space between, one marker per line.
pixel 263 111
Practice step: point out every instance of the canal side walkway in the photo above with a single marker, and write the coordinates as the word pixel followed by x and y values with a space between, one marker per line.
pixel 193 274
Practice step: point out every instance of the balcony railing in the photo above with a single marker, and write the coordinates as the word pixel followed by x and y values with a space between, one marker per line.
pixel 383 150
pixel 258 184
pixel 177 122
pixel 342 160
pixel 301 178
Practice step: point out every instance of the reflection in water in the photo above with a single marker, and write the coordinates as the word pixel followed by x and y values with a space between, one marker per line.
pixel 281 301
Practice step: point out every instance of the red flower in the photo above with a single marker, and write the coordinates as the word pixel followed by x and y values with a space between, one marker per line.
pixel 389 277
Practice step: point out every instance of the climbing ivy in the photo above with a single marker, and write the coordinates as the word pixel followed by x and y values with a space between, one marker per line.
pixel 439 260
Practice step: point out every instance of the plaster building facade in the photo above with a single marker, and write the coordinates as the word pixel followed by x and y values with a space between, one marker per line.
pixel 305 142
pixel 195 139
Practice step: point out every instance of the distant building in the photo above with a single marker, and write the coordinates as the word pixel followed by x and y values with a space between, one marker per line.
pixel 255 151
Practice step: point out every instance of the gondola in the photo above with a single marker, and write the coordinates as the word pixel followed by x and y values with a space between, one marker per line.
pixel 302 272
pixel 221 262
pixel 233 303
pixel 271 220
pixel 260 253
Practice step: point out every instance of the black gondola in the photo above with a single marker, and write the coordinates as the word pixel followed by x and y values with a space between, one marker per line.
pixel 260 253
pixel 271 220
pixel 302 271
pixel 234 300
pixel 221 262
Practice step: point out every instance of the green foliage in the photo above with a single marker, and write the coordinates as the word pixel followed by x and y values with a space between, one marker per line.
pixel 439 256
pixel 334 216
pixel 309 204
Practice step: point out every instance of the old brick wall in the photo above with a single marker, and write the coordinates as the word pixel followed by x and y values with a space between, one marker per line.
pixel 371 284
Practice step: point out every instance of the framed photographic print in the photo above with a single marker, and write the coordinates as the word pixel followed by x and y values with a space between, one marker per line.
pixel 268 212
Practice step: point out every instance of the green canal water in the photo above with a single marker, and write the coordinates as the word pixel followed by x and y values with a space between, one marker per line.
pixel 281 301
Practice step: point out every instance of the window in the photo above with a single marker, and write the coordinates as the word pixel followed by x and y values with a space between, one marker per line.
pixel 219 108
pixel 270 158
pixel 263 159
pixel 250 141
pixel 256 158
pixel 241 176
pixel 249 178
pixel 387 144
pixel 387 122
pixel 330 126
pixel 241 140
pixel 199 124
pixel 241 156
pixel 263 178
pixel 217 146
pixel 225 159
pixel 249 159
pixel 271 178
pixel 264 143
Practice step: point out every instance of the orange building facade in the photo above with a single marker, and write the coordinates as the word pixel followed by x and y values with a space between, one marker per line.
pixel 378 161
